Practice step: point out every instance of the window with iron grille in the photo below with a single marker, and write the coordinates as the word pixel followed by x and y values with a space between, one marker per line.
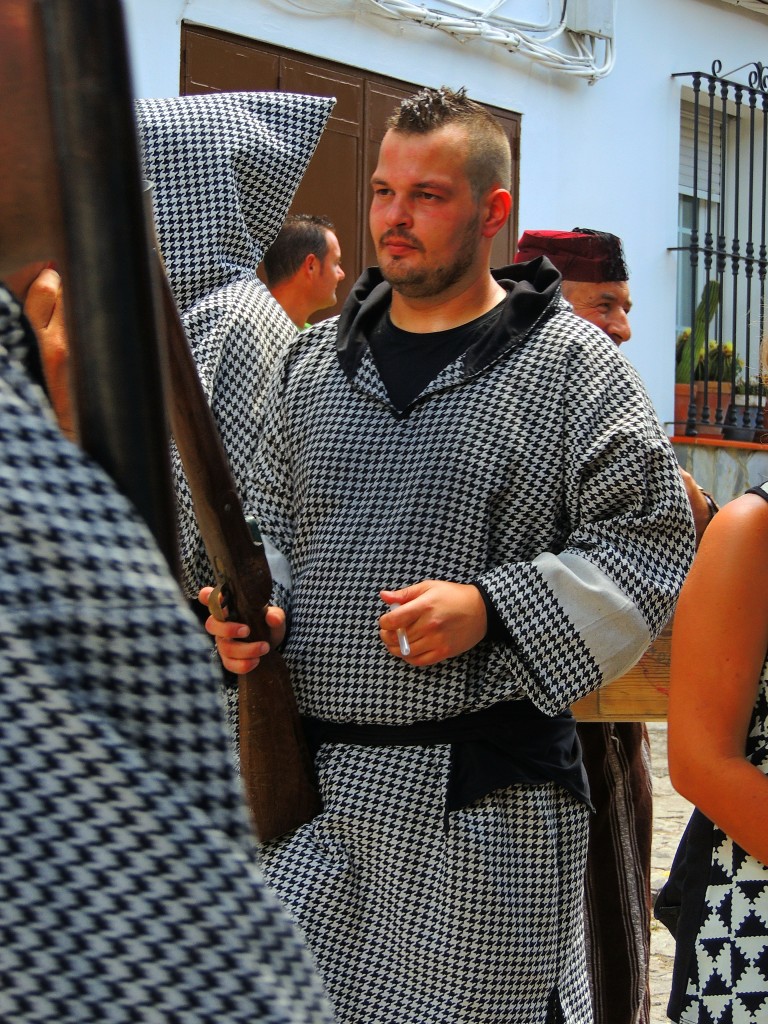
pixel 721 245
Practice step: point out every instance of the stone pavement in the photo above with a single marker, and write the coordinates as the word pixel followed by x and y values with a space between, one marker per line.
pixel 670 815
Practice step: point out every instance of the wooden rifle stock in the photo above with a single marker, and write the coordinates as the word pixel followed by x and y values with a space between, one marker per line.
pixel 274 759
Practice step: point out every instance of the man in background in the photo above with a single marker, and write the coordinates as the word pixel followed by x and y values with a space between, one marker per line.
pixel 217 209
pixel 303 267
pixel 616 754
pixel 595 276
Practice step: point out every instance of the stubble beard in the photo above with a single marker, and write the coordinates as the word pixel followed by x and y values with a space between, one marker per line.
pixel 427 282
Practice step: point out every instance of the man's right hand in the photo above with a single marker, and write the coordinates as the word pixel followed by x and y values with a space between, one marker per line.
pixel 237 654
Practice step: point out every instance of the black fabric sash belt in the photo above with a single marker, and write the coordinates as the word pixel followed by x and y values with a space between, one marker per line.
pixel 510 742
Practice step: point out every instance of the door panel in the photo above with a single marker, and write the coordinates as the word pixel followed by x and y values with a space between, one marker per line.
pixel 213 64
pixel 331 186
pixel 336 184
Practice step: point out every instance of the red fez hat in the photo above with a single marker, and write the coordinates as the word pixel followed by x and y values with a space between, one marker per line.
pixel 579 255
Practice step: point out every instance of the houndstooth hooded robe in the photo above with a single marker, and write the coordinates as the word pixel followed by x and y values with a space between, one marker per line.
pixel 129 888
pixel 224 168
pixel 534 465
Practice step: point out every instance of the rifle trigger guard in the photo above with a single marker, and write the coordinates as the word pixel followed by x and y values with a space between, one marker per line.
pixel 216 603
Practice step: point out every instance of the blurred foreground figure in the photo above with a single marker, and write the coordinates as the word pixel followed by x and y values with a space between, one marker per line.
pixel 129 889
pixel 129 882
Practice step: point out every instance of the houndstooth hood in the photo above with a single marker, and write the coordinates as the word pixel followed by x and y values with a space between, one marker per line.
pixel 531 290
pixel 224 168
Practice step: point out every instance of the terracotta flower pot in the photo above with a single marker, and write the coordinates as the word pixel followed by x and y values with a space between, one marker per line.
pixel 683 401
pixel 712 428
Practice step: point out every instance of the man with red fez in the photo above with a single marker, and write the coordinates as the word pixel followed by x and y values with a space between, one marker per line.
pixel 616 754
pixel 595 276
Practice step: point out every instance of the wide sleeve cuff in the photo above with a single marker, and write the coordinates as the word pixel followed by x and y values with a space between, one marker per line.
pixel 570 626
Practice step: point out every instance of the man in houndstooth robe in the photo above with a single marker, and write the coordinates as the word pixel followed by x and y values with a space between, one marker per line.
pixel 458 444
pixel 224 168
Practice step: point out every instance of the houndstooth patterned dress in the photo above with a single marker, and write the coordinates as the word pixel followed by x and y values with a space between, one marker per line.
pixel 224 168
pixel 129 889
pixel 535 466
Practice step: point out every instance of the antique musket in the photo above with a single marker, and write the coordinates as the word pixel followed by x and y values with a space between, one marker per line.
pixel 83 199
pixel 274 759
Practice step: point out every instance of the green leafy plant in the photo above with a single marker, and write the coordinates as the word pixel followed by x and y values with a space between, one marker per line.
pixel 720 366
pixel 696 338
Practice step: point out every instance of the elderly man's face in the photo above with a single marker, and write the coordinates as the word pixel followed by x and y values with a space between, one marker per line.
pixel 606 304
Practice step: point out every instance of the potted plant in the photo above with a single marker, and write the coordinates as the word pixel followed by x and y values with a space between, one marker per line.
pixel 690 355
pixel 718 368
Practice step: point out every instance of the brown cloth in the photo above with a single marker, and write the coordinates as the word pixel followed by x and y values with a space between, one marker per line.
pixel 618 878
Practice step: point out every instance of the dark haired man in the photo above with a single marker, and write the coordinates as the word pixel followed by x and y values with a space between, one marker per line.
pixel 303 267
pixel 616 754
pixel 446 447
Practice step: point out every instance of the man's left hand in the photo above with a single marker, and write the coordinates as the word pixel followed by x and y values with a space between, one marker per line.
pixel 441 620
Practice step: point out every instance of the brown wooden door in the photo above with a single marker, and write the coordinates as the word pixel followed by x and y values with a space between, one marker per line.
pixel 333 185
pixel 336 182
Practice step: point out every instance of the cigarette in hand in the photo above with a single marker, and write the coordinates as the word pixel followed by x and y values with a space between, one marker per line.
pixel 402 638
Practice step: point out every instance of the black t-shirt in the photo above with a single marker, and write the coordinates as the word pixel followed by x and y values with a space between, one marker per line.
pixel 408 362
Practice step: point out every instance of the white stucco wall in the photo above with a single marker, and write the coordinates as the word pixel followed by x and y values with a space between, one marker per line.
pixel 602 156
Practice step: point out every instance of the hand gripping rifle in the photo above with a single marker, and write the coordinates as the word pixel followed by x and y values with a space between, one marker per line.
pixel 78 200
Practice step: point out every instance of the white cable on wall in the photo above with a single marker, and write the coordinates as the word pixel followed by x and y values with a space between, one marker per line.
pixel 586 54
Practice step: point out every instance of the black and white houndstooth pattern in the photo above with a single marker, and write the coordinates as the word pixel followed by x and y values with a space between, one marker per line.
pixel 224 168
pixel 410 922
pixel 550 447
pixel 554 448
pixel 729 967
pixel 129 886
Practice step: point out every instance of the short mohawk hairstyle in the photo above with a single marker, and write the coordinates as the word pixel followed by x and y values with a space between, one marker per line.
pixel 432 108
pixel 488 156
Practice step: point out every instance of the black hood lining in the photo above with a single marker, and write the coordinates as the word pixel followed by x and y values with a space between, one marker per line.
pixel 531 292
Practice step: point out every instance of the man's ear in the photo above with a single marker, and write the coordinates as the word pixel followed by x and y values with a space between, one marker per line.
pixel 311 264
pixel 497 208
